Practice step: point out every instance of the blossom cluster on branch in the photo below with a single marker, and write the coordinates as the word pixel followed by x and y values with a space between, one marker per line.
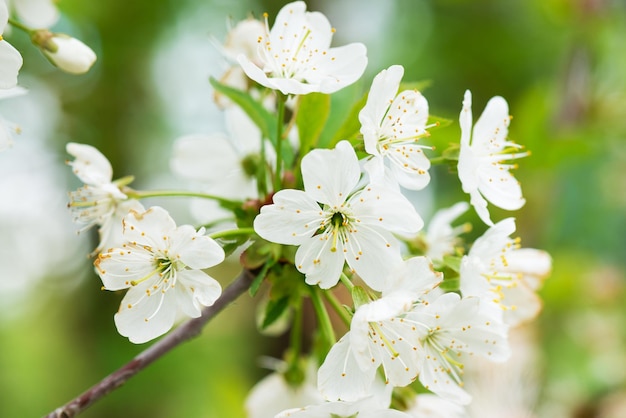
pixel 312 208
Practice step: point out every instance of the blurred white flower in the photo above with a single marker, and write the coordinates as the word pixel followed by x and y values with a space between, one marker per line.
pixel 222 165
pixel 380 335
pixel 296 57
pixel 426 405
pixel 7 128
pixel 100 201
pixel 274 394
pixel 451 329
pixel 504 275
pixel 392 123
pixel 441 237
pixel 10 58
pixel 376 404
pixel 38 14
pixel 482 170
pixel 161 265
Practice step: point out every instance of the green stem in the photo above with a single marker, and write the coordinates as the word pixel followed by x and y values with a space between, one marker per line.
pixel 326 326
pixel 346 282
pixel 21 26
pixel 138 194
pixel 295 337
pixel 439 160
pixel 279 141
pixel 339 308
pixel 232 233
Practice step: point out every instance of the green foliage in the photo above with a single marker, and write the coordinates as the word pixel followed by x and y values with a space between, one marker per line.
pixel 262 118
pixel 313 112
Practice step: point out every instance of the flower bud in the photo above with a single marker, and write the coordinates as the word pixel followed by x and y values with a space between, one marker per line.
pixel 65 52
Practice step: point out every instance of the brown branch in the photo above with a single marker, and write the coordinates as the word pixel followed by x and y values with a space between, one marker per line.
pixel 184 332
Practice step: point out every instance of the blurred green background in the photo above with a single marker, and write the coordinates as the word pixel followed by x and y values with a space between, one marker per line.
pixel 561 64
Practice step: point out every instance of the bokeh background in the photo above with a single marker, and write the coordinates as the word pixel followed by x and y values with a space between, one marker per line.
pixel 561 64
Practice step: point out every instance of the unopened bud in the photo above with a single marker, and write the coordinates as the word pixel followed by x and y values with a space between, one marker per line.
pixel 67 53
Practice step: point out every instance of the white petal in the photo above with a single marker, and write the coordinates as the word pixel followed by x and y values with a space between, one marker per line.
pixel 273 394
pixel 386 209
pixel 472 329
pixel 381 94
pixel 148 317
pixel 522 302
pixel 71 55
pixel 292 219
pixel 435 379
pixel 533 264
pixel 491 129
pixel 10 64
pixel 4 16
pixel 37 13
pixel 194 288
pixel 412 174
pixel 465 119
pixel 197 251
pixel 372 254
pixel 119 267
pixel 480 206
pixel 245 135
pixel 499 187
pixel 433 406
pixel 321 266
pixel 90 165
pixel 205 158
pixel 413 277
pixel 151 228
pixel 349 65
pixel 340 377
pixel 330 175
pixel 111 231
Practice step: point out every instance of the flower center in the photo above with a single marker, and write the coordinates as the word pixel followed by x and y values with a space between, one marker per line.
pixel 338 229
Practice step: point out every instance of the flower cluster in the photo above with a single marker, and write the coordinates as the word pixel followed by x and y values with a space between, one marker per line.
pixel 314 210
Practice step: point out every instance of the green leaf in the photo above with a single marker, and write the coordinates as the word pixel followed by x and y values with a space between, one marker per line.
pixel 452 262
pixel 359 297
pixel 256 283
pixel 415 85
pixel 452 284
pixel 274 310
pixel 313 112
pixel 255 110
pixel 351 126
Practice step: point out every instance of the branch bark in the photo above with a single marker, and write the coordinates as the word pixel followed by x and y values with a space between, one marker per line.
pixel 182 333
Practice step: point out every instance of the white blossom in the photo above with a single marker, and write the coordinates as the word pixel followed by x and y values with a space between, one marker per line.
pixel 221 164
pixel 8 128
pixel 10 58
pixel 392 123
pixel 296 56
pixel 440 236
pixel 36 13
pixel 333 223
pixel 273 394
pixel 505 275
pixel 451 329
pixel 374 405
pixel 161 265
pixel 426 405
pixel 482 168
pixel 380 335
pixel 99 201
